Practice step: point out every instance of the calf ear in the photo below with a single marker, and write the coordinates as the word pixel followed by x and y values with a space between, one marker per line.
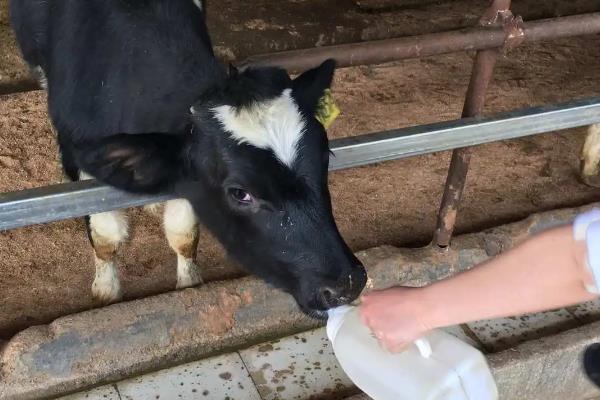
pixel 144 163
pixel 309 87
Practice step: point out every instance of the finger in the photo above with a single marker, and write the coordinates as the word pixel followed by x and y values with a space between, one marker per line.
pixel 393 345
pixel 365 313
pixel 364 317
pixel 397 347
pixel 373 295
pixel 388 345
pixel 382 344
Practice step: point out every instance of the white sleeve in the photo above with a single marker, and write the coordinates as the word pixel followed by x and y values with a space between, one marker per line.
pixel 587 227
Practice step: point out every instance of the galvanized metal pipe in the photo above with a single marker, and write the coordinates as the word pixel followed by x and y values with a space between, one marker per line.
pixel 72 200
pixel 381 51
pixel 481 75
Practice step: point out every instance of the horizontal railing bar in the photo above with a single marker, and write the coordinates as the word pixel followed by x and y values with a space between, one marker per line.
pixel 406 47
pixel 77 199
pixel 65 201
pixel 406 142
pixel 431 44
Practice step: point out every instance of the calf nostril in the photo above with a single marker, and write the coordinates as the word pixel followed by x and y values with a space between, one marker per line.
pixel 328 295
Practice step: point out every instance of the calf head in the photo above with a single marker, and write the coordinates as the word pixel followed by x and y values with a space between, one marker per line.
pixel 254 165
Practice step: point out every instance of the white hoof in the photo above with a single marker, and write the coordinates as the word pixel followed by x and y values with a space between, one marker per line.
pixel 188 273
pixel 106 287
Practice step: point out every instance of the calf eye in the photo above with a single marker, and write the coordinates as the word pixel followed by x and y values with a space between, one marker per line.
pixel 241 196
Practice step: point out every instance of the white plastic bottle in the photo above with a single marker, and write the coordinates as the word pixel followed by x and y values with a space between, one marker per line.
pixel 439 367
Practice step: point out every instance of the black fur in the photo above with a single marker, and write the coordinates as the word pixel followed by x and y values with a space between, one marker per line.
pixel 29 21
pixel 122 76
pixel 309 87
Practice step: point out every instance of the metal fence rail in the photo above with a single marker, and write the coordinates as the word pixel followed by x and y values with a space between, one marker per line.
pixel 498 30
pixel 76 199
pixel 479 38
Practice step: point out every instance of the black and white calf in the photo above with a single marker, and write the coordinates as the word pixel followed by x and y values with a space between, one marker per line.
pixel 140 102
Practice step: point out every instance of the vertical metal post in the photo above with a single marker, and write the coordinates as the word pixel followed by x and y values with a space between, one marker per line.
pixel 483 68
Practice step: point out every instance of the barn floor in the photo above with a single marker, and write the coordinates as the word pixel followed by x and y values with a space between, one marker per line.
pixel 303 366
pixel 46 271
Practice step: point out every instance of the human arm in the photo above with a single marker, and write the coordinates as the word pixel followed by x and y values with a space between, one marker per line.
pixel 547 271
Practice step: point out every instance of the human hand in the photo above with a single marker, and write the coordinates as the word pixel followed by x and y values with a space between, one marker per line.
pixel 397 316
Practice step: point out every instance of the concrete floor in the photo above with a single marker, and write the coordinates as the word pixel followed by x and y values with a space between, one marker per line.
pixel 303 366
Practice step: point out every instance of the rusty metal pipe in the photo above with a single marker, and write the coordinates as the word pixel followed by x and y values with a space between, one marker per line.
pixel 381 51
pixel 483 69
pixel 554 28
pixel 481 75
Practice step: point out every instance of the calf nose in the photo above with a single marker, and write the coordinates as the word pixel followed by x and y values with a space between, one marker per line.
pixel 358 279
pixel 343 290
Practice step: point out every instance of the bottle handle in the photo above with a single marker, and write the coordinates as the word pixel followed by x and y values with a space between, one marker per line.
pixel 424 347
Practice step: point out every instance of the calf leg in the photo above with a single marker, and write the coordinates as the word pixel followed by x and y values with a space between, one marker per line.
pixel 590 158
pixel 181 229
pixel 107 232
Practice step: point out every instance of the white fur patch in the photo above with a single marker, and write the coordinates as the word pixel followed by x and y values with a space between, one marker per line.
pixel 275 124
pixel 179 217
pixel 181 229
pixel 198 4
pixel 111 226
pixel 84 176
pixel 188 273
pixel 591 151
pixel 106 286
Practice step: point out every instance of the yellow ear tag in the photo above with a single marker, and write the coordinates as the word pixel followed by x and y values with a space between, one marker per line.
pixel 327 111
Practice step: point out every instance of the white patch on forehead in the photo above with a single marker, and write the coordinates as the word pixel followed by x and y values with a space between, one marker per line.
pixel 274 124
pixel 198 4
